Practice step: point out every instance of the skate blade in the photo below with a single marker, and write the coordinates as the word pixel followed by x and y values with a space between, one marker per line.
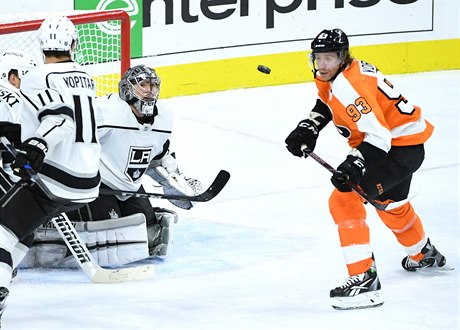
pixel 364 300
pixel 435 270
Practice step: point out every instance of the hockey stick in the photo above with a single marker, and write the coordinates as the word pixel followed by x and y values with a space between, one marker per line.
pixel 78 248
pixel 213 190
pixel 357 189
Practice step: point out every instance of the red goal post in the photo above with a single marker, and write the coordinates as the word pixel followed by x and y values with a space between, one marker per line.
pixel 103 46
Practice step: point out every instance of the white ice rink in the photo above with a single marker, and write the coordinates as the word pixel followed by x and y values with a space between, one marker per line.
pixel 265 253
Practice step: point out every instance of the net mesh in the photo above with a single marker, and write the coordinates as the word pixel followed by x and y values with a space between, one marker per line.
pixel 98 50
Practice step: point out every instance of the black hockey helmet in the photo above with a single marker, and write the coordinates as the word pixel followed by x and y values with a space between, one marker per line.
pixel 334 40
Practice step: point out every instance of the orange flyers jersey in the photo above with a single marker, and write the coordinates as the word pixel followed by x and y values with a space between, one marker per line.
pixel 366 107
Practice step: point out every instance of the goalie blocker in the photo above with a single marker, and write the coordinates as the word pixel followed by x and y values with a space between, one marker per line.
pixel 112 242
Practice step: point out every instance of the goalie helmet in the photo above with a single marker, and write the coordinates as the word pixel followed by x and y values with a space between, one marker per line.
pixel 15 60
pixel 57 34
pixel 140 87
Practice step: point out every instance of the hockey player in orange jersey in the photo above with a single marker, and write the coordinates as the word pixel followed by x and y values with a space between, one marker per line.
pixel 386 134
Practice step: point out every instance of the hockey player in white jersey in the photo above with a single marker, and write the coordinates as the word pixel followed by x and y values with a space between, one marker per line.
pixel 61 144
pixel 134 129
pixel 14 64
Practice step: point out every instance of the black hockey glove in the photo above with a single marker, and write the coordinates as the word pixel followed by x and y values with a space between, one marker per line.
pixel 305 133
pixel 352 169
pixel 32 152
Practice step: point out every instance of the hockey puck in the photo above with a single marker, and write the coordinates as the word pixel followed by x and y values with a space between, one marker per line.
pixel 264 69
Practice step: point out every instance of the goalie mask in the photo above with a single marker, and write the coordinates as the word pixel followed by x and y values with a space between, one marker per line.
pixel 15 60
pixel 140 87
pixel 57 34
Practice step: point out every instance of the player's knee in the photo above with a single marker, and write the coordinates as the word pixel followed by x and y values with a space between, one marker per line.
pixel 398 218
pixel 345 206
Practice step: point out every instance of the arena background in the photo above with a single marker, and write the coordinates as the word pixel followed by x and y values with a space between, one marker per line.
pixel 206 46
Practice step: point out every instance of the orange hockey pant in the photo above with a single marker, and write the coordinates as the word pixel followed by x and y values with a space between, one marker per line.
pixel 348 211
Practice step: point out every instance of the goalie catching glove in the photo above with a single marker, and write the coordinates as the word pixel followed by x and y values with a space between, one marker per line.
pixel 166 172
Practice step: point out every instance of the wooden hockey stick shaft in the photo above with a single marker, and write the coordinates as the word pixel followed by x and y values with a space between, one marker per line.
pixel 78 248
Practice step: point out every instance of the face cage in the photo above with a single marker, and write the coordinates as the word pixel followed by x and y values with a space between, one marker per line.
pixel 146 99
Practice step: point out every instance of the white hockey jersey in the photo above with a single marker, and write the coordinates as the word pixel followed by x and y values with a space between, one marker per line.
pixel 60 110
pixel 128 146
pixel 11 109
pixel 11 104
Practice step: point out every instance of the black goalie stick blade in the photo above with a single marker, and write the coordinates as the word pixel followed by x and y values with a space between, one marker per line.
pixel 214 189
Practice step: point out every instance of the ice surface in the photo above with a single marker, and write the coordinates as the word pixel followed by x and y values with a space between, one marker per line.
pixel 265 252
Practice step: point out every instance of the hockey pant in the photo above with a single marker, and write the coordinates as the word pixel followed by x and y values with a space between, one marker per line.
pixel 22 247
pixel 110 207
pixel 389 180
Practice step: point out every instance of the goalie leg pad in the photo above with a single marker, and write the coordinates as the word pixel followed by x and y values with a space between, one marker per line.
pixel 160 234
pixel 112 242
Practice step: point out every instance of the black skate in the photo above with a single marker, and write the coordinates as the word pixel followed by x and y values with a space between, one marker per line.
pixel 433 259
pixel 359 291
pixel 3 294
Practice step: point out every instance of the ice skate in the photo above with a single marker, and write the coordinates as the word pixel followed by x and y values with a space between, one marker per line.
pixel 433 260
pixel 359 291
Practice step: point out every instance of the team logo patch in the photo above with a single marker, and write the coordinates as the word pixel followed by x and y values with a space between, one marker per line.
pixel 138 162
pixel 344 131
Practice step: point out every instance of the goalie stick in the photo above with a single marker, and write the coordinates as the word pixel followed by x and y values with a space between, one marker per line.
pixel 79 250
pixel 213 190
pixel 356 188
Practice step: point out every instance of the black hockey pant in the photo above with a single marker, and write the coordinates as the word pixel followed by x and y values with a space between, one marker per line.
pixel 391 177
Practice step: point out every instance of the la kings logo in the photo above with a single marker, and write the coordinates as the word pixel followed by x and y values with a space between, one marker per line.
pixel 138 162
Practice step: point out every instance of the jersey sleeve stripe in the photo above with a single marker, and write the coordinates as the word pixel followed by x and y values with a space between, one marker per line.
pixel 409 129
pixel 63 110
pixel 69 180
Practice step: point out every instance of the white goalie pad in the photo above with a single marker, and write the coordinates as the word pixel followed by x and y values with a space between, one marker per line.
pixel 112 242
pixel 161 234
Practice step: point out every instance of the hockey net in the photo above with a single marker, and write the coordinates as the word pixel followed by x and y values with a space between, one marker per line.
pixel 103 46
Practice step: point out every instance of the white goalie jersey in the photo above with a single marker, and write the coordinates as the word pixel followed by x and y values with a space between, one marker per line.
pixel 60 110
pixel 127 145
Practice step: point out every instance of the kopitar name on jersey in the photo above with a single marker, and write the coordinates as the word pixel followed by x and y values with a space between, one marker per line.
pixel 79 82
